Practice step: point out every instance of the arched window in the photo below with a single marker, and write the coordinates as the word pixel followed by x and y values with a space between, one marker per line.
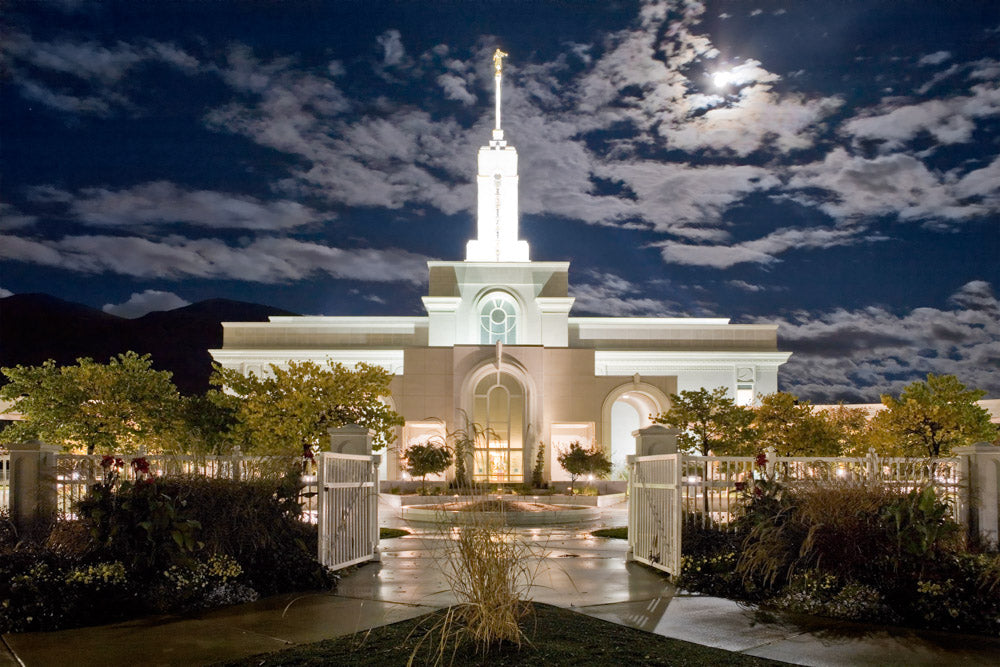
pixel 497 319
pixel 498 404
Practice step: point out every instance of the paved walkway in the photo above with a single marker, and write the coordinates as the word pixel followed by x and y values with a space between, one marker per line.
pixel 580 572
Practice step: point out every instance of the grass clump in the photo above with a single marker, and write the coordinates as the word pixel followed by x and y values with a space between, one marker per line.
pixel 489 570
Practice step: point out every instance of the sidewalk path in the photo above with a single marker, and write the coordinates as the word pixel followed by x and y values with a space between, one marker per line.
pixel 580 572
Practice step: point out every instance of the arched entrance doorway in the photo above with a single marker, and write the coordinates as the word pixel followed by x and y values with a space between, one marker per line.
pixel 626 409
pixel 499 403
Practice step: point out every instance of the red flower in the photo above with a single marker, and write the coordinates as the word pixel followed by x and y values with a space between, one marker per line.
pixel 107 461
pixel 307 452
pixel 741 486
pixel 761 460
pixel 141 466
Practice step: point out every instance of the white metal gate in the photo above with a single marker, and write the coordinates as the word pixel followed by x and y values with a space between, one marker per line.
pixel 654 511
pixel 348 509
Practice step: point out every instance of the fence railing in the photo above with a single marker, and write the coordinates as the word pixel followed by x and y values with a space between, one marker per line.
pixel 76 473
pixel 709 483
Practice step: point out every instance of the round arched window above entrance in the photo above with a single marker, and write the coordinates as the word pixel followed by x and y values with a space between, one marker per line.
pixel 498 319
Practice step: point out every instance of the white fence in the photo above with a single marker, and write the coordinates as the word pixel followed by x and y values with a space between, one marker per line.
pixel 670 491
pixel 709 483
pixel 76 473
pixel 348 509
pixel 654 511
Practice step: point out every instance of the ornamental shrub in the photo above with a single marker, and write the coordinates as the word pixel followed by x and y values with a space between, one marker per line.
pixel 257 523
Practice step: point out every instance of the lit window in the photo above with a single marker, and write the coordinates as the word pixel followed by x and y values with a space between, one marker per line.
pixel 498 319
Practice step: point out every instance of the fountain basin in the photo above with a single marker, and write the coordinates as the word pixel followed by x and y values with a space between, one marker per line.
pixel 512 513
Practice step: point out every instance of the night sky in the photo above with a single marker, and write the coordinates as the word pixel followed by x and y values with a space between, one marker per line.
pixel 833 167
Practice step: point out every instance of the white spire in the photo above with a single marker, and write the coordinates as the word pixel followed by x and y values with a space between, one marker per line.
pixel 498 57
pixel 497 184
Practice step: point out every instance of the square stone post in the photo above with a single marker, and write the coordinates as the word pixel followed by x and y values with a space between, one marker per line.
pixel 32 483
pixel 351 439
pixel 655 439
pixel 980 473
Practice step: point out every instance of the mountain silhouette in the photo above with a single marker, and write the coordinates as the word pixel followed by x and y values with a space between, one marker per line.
pixel 37 327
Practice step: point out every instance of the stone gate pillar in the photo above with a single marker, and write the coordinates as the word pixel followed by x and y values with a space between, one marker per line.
pixel 32 483
pixel 351 439
pixel 655 439
pixel 980 474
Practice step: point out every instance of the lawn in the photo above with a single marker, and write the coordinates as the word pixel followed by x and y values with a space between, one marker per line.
pixel 620 533
pixel 558 637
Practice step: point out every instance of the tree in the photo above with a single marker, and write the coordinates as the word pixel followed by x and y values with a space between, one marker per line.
pixel 579 461
pixel 107 408
pixel 426 459
pixel 294 407
pixel 850 427
pixel 708 421
pixel 932 417
pixel 792 428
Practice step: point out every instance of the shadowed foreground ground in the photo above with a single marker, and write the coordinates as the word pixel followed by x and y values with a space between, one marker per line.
pixel 558 637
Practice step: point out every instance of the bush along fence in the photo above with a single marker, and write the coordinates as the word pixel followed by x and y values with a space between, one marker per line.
pixel 37 480
pixel 669 490
pixel 339 489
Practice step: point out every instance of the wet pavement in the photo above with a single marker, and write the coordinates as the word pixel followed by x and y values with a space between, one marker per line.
pixel 572 569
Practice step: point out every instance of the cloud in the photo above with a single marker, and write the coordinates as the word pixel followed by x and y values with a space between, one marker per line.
pixel 265 260
pixel 851 187
pixel 745 286
pixel 4 293
pixel 12 218
pixel 611 295
pixel 164 203
pixel 393 51
pixel 146 302
pixel 764 250
pixel 948 120
pixel 935 58
pixel 456 88
pixel 854 355
pixel 100 70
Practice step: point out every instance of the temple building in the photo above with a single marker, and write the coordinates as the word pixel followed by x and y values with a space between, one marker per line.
pixel 498 346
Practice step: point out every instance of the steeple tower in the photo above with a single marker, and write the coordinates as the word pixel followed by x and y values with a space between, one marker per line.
pixel 497 184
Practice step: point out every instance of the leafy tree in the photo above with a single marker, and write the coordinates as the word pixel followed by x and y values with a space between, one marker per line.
pixel 579 461
pixel 709 421
pixel 114 407
pixel 932 417
pixel 208 421
pixel 793 428
pixel 294 407
pixel 850 427
pixel 426 459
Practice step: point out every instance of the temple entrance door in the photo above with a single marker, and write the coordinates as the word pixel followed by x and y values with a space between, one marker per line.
pixel 499 405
